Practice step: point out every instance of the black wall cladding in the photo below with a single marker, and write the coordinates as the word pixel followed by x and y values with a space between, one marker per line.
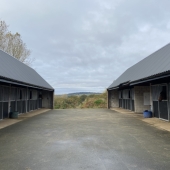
pixel 155 109
pixel 133 105
pixel 5 110
pixel 13 106
pixel 163 108
pixel 19 106
pixel 1 115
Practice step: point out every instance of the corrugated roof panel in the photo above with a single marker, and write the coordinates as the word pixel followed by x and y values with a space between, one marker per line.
pixel 155 63
pixel 13 69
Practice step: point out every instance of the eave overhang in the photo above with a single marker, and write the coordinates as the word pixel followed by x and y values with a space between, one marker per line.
pixel 15 82
pixel 143 80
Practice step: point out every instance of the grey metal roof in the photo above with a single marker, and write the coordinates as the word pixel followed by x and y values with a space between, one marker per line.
pixel 156 63
pixel 15 70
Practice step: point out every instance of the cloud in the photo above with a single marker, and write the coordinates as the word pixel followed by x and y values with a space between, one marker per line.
pixel 85 45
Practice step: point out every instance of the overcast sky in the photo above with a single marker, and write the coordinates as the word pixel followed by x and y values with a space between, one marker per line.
pixel 83 45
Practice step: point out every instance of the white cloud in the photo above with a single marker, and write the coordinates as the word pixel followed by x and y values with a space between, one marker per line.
pixel 85 45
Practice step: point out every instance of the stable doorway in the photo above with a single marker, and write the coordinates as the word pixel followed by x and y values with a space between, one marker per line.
pixel 160 101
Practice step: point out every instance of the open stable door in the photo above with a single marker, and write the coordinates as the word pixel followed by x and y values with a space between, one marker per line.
pixel 160 101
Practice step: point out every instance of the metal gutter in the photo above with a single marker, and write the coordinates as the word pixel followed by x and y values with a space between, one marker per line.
pixel 120 85
pixel 124 83
pixel 113 88
pixel 142 81
pixel 23 84
pixel 149 79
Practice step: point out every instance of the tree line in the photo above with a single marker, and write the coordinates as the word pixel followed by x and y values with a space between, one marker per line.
pixel 13 44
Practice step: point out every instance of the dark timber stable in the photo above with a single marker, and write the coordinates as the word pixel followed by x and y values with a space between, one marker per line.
pixel 126 99
pixel 22 89
pixel 145 86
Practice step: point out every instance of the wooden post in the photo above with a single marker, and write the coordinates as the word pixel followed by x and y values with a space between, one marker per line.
pixel 52 102
pixel 9 102
pixel 26 103
pixel 108 99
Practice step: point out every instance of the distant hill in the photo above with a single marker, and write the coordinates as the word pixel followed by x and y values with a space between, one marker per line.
pixel 82 93
pixel 80 100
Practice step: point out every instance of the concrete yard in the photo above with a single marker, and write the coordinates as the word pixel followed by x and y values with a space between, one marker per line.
pixel 87 139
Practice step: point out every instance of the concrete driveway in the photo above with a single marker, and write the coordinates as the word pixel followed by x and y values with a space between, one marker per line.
pixel 87 139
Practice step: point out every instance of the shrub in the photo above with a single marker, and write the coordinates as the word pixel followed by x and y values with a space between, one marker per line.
pixel 98 102
pixel 83 101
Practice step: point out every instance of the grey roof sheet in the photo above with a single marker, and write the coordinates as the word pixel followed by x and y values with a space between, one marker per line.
pixel 156 63
pixel 13 69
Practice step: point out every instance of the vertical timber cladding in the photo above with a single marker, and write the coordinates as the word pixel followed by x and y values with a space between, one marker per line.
pixel 21 100
pixel 120 98
pixel 1 103
pixel 132 101
pixel 127 99
pixel 13 94
pixel 109 98
pixel 47 99
pixel 160 101
pixel 33 99
pixel 28 100
pixel 5 105
pixel 155 95
pixel 39 99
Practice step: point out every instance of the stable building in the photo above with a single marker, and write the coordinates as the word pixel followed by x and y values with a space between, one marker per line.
pixel 22 89
pixel 144 86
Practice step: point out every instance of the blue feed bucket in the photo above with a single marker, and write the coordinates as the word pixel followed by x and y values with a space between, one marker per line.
pixel 147 114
